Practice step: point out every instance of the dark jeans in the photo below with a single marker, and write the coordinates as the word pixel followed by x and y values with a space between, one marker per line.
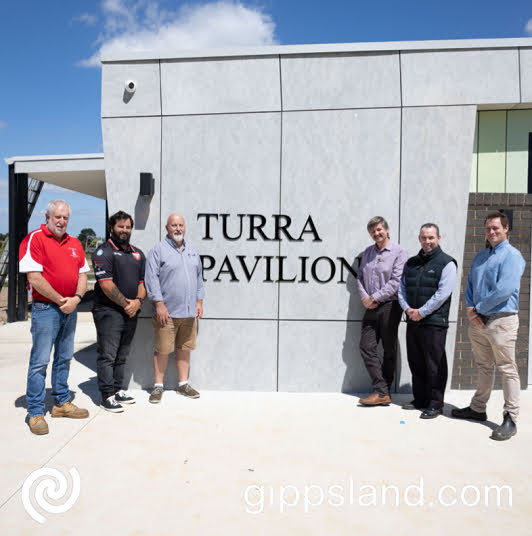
pixel 380 324
pixel 428 363
pixel 115 331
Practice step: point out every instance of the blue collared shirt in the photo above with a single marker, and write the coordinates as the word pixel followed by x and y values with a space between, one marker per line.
pixel 494 280
pixel 174 277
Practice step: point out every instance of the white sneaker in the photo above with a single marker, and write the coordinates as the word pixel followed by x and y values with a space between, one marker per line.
pixel 123 397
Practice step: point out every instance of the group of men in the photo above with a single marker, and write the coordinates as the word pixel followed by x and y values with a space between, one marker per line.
pixel 171 276
pixel 422 286
pixel 56 269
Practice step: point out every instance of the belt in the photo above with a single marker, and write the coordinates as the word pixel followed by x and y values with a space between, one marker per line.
pixel 486 318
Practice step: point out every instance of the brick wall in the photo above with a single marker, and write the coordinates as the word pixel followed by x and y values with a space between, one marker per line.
pixel 464 371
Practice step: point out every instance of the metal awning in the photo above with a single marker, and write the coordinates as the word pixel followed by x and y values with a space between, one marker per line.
pixel 84 173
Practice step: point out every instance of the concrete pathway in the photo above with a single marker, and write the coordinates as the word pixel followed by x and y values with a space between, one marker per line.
pixel 255 463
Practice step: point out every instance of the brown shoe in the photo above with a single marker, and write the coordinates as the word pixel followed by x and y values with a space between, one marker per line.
pixel 38 425
pixel 156 395
pixel 69 410
pixel 188 391
pixel 375 399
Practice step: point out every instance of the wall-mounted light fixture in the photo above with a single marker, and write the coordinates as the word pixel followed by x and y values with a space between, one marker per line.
pixel 147 184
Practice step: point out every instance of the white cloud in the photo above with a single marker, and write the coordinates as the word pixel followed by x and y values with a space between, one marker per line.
pixel 528 27
pixel 86 18
pixel 142 25
pixel 3 124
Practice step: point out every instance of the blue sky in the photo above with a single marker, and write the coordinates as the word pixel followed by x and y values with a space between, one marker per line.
pixel 50 81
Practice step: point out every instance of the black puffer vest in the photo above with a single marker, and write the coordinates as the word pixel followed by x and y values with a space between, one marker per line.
pixel 422 276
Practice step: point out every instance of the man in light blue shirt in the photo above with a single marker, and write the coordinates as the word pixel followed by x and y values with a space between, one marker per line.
pixel 174 282
pixel 492 300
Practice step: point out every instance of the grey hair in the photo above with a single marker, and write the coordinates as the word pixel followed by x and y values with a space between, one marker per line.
pixel 56 203
pixel 377 220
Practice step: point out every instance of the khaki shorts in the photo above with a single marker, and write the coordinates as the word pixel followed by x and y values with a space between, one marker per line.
pixel 178 333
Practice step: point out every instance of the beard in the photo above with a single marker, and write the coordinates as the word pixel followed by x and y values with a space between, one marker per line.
pixel 120 241
pixel 178 237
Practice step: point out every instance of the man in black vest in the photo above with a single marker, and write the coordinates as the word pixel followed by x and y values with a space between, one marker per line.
pixel 425 295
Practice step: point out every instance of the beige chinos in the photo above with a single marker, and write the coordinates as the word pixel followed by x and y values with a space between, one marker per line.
pixel 494 346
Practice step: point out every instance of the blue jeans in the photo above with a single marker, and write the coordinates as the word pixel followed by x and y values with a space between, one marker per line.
pixel 49 327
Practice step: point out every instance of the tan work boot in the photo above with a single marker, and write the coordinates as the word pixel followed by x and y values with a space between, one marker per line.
pixel 38 425
pixel 69 410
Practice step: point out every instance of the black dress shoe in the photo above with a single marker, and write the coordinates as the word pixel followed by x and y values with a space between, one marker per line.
pixel 506 430
pixel 468 413
pixel 430 413
pixel 411 405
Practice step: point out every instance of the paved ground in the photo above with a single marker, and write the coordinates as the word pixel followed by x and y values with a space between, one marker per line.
pixel 255 463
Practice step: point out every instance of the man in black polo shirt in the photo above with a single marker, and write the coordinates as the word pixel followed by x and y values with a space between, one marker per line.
pixel 119 270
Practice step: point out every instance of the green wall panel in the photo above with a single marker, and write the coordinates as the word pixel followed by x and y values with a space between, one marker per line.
pixel 492 151
pixel 519 126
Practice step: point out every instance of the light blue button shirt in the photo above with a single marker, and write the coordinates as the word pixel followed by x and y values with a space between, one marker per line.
pixel 174 277
pixel 494 280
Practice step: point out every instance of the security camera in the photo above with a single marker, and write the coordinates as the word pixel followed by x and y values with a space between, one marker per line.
pixel 131 86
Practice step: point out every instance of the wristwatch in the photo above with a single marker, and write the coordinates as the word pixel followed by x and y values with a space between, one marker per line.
pixel 141 300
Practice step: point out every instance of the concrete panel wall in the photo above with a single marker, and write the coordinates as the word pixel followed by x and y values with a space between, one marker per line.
pixel 435 78
pixel 226 164
pixel 330 172
pixel 117 102
pixel 331 81
pixel 221 86
pixel 337 147
pixel 435 176
pixel 525 58
pixel 133 145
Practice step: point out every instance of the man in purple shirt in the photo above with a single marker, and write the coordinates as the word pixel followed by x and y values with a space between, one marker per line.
pixel 379 277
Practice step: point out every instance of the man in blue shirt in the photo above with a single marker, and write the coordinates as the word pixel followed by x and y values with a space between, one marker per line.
pixel 174 282
pixel 492 300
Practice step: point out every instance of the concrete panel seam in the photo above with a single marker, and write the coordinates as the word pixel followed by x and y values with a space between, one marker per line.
pixel 160 155
pixel 280 211
pixel 519 72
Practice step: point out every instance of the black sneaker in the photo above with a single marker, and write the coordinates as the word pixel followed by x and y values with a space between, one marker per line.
pixel 110 404
pixel 468 413
pixel 123 397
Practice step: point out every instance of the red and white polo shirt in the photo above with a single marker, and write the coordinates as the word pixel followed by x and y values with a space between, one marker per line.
pixel 60 262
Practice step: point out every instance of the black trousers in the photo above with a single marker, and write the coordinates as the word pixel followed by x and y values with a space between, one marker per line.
pixel 428 363
pixel 380 324
pixel 115 331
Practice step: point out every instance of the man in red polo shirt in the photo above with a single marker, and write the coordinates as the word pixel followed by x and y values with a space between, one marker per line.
pixel 56 267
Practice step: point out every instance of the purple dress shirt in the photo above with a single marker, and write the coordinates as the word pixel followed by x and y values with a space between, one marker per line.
pixel 380 271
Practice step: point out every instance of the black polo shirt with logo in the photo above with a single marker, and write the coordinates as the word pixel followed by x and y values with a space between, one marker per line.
pixel 125 267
